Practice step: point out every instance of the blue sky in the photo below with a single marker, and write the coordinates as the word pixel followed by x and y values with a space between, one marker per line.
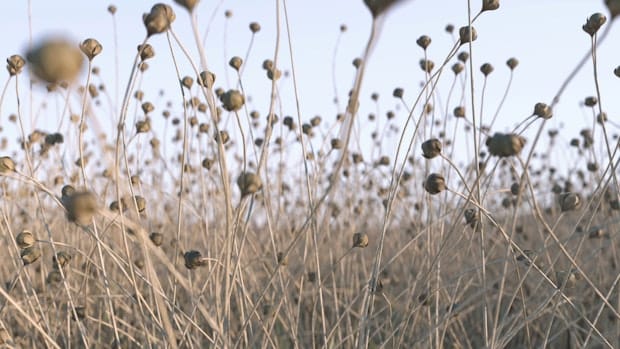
pixel 545 35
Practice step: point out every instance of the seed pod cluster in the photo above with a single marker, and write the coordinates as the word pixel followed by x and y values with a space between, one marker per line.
pixel 505 145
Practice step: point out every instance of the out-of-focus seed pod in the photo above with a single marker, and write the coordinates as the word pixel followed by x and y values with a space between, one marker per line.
pixel 232 100
pixel 188 4
pixel 55 61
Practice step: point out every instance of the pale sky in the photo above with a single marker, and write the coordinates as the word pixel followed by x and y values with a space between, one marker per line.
pixel 545 35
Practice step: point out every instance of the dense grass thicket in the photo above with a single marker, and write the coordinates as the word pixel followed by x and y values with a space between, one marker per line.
pixel 190 220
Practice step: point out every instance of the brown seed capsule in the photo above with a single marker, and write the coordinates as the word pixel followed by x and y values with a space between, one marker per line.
pixel 431 148
pixel 206 79
pixel 427 65
pixel 193 259
pixel 249 183
pixel 143 126
pixel 357 62
pixel 254 27
pixel 617 71
pixel 434 184
pixel 187 82
pixel 30 255
pixel 232 100
pixel 222 137
pixel 384 161
pixel 274 74
pixel 80 311
pixel 614 7
pixel 467 34
pixel 472 217
pixel 91 48
pixel 597 233
pixel 146 51
pixel 504 145
pixel 81 207
pixel 512 63
pixel 486 69
pixel 490 5
pixel 159 19
pixel 542 110
pixel 282 259
pixel 6 164
pixel 590 101
pixel 601 118
pixel 360 240
pixel 156 238
pixel 188 4
pixel 25 239
pixel 235 63
pixel 569 201
pixel 457 68
pixel 459 112
pixel 55 61
pixel 398 92
pixel 15 64
pixel 594 23
pixel 61 259
pixel 424 41
pixel 112 9
pixel 336 143
pixel 527 257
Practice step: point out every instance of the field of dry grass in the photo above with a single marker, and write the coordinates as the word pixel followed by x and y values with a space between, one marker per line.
pixel 199 223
